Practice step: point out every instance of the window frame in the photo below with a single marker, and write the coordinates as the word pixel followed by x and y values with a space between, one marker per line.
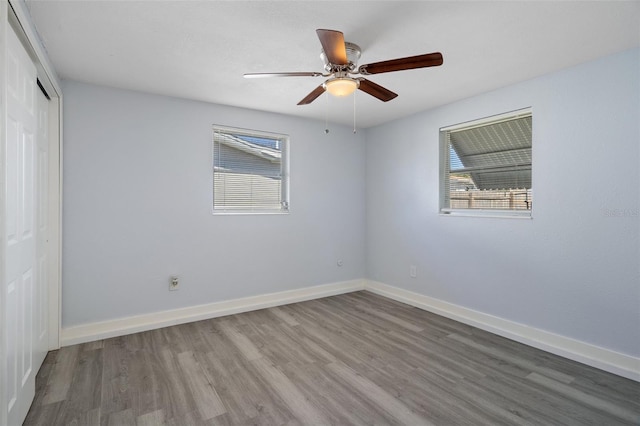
pixel 284 140
pixel 444 167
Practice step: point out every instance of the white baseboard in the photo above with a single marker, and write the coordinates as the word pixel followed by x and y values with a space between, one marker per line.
pixel 122 326
pixel 604 359
pixel 595 356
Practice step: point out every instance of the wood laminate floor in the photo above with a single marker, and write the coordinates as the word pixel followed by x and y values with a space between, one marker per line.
pixel 356 358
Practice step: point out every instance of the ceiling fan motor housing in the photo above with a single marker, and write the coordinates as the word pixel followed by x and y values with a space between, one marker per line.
pixel 353 55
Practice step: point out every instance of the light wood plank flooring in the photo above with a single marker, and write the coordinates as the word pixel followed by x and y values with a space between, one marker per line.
pixel 356 358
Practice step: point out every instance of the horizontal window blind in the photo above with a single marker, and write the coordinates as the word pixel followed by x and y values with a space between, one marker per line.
pixel 249 171
pixel 487 164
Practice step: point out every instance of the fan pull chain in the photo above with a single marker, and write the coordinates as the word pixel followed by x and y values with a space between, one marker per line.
pixel 326 113
pixel 354 112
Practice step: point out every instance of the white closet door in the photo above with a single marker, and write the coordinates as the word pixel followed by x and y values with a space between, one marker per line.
pixel 41 288
pixel 21 239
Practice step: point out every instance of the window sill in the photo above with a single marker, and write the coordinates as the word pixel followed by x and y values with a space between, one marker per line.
pixel 248 212
pixel 502 214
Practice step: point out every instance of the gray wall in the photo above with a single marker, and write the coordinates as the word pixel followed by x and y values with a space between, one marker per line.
pixel 137 194
pixel 574 269
pixel 137 207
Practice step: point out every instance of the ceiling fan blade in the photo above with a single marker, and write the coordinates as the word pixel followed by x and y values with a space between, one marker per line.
pixel 312 96
pixel 281 74
pixel 375 90
pixel 408 63
pixel 333 45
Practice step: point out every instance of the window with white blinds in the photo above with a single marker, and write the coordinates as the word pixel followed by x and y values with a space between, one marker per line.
pixel 486 166
pixel 250 171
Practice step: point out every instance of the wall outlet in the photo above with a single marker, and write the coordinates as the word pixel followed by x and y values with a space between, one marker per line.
pixel 174 284
pixel 413 271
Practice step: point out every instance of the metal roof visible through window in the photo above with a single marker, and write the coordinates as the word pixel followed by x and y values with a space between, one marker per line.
pixel 496 155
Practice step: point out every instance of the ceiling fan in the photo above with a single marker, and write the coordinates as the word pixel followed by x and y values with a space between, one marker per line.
pixel 340 63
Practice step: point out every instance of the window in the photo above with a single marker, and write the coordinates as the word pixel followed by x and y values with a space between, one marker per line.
pixel 250 171
pixel 486 166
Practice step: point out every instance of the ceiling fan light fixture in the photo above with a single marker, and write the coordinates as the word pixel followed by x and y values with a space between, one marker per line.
pixel 341 86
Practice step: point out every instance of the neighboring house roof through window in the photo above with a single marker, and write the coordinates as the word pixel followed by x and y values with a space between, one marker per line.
pixel 267 151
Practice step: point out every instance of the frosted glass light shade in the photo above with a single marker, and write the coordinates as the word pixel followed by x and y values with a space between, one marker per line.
pixel 341 86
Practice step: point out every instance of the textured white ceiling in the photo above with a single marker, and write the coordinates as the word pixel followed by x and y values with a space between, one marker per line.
pixel 200 49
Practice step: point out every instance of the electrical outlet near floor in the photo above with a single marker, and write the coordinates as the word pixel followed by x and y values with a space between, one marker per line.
pixel 413 271
pixel 174 283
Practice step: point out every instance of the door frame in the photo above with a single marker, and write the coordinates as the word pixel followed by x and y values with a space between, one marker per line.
pixel 14 14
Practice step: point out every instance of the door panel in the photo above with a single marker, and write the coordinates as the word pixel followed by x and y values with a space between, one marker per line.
pixel 20 244
pixel 41 289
